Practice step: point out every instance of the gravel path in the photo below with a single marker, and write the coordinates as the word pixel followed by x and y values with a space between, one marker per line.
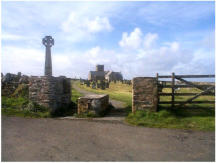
pixel 28 139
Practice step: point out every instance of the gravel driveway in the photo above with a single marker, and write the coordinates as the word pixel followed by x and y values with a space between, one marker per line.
pixel 28 139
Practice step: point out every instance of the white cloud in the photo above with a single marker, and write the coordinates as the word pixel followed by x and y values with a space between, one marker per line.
pixel 94 52
pixel 83 27
pixel 150 39
pixel 203 62
pixel 25 60
pixel 98 24
pixel 132 40
pixel 97 55
pixel 174 46
pixel 151 57
pixel 136 39
pixel 7 36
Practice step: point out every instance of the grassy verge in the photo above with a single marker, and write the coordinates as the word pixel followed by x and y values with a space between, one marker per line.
pixel 193 119
pixel 12 106
pixel 24 113
pixel 193 116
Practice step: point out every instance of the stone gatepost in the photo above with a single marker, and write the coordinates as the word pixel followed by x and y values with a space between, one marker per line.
pixel 144 94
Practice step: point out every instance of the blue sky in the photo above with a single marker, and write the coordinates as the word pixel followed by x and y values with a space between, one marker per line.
pixel 136 38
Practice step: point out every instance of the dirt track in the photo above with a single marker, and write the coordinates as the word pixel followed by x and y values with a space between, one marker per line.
pixel 26 139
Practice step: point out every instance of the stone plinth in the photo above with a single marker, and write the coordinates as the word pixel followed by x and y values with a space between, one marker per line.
pixel 144 94
pixel 94 103
pixel 51 92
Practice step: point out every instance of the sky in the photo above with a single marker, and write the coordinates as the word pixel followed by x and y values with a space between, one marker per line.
pixel 134 38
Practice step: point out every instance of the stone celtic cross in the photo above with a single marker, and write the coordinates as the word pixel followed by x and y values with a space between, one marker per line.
pixel 48 41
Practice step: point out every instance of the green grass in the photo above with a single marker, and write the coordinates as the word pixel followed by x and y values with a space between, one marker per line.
pixel 24 113
pixel 192 116
pixel 15 103
pixel 16 106
pixel 201 119
pixel 75 95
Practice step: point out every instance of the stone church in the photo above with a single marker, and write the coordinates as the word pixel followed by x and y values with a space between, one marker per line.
pixel 100 74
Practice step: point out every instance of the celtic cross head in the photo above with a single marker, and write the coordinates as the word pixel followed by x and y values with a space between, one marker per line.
pixel 48 41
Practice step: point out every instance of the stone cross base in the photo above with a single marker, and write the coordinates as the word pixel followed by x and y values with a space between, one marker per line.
pixel 144 94
pixel 93 103
pixel 51 92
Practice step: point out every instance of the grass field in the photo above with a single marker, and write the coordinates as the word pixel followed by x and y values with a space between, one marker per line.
pixel 192 116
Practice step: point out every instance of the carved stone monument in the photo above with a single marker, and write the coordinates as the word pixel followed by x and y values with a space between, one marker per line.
pixel 48 41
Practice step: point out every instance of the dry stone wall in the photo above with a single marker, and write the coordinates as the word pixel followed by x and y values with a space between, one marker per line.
pixel 10 82
pixel 144 94
pixel 51 92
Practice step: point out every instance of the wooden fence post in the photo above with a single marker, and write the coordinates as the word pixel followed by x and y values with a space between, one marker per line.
pixel 158 97
pixel 173 89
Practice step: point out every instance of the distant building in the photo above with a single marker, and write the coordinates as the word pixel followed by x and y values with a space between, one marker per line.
pixel 112 76
pixel 100 74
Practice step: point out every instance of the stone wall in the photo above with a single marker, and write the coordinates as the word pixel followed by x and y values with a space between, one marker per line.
pixel 51 92
pixel 96 104
pixel 10 82
pixel 144 94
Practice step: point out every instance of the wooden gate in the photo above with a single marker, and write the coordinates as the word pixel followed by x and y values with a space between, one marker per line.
pixel 204 89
